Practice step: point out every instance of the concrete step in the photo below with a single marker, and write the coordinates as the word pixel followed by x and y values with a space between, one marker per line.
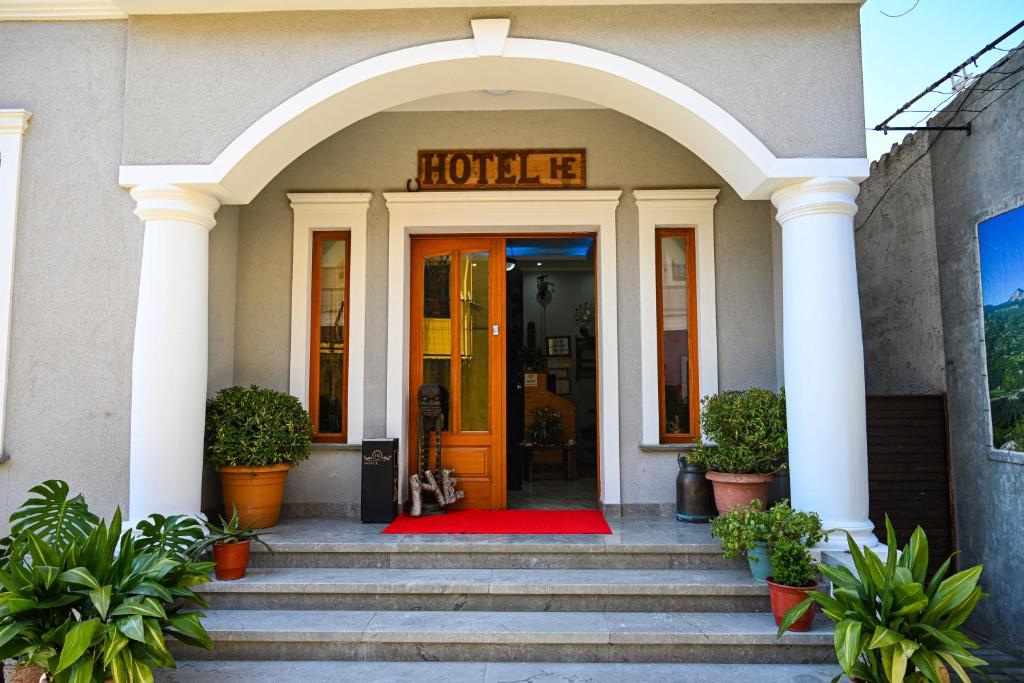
pixel 496 552
pixel 658 637
pixel 516 590
pixel 493 672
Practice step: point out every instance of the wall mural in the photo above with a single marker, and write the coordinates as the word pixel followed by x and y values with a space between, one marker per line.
pixel 1001 247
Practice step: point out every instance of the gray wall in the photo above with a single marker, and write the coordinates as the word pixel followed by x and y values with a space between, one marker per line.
pixel 179 88
pixel 379 153
pixel 966 179
pixel 898 275
pixel 76 265
pixel 782 70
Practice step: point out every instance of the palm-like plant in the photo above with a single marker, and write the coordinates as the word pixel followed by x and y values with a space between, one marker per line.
pixel 893 625
pixel 176 534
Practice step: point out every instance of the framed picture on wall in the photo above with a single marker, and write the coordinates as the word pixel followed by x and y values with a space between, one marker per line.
pixel 563 386
pixel 558 346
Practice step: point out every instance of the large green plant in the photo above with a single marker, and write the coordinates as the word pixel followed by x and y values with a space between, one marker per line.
pixel 740 528
pixel 54 515
pixel 97 608
pixel 892 622
pixel 748 430
pixel 256 427
pixel 175 535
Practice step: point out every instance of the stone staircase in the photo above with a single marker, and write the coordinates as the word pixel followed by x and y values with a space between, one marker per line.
pixel 656 601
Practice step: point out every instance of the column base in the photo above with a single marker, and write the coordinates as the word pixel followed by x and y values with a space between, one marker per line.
pixel 862 533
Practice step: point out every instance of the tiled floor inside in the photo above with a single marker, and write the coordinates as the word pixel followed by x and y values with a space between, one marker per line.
pixel 555 494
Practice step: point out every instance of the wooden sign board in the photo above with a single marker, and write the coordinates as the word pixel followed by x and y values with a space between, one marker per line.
pixel 502 169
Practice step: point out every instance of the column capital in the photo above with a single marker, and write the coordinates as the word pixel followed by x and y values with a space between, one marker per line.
pixel 814 196
pixel 172 203
pixel 14 121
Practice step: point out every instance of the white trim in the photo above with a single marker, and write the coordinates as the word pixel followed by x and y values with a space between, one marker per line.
pixel 330 211
pixel 13 124
pixel 505 212
pixel 379 83
pixel 120 9
pixel 675 209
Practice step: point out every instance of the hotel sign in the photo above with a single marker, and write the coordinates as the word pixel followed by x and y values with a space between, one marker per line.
pixel 502 169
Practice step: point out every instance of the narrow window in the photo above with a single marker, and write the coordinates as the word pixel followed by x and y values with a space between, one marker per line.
pixel 677 335
pixel 328 368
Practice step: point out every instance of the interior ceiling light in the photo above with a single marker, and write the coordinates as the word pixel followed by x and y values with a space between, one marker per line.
pixel 496 91
pixel 539 263
pixel 510 263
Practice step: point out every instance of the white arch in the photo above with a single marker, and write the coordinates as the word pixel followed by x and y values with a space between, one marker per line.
pixel 252 159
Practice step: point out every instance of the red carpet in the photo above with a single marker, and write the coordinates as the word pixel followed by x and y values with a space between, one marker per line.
pixel 503 522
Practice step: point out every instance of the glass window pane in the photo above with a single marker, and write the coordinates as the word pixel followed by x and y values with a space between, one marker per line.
pixel 675 341
pixel 332 335
pixel 437 322
pixel 473 343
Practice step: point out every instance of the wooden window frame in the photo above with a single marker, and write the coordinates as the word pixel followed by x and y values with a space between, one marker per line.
pixel 314 335
pixel 693 366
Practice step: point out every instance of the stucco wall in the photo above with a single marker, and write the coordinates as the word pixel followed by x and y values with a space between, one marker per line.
pixel 76 265
pixel 974 178
pixel 898 275
pixel 379 153
pixel 791 73
pixel 916 313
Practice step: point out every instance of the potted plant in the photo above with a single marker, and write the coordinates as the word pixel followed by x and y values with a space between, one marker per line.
pixel 254 437
pixel 752 531
pixel 546 427
pixel 748 434
pixel 892 622
pixel 81 603
pixel 230 542
pixel 791 580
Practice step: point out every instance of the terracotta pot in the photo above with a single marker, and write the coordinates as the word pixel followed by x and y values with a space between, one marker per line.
pixel 738 490
pixel 16 672
pixel 256 492
pixel 785 597
pixel 232 560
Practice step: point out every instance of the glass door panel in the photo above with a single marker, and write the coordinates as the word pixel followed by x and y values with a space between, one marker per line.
pixel 474 347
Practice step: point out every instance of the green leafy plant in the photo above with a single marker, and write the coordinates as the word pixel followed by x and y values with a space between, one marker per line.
pixel 546 426
pixel 791 564
pixel 228 531
pixel 256 427
pixel 175 535
pixel 53 515
pixel 740 528
pixel 892 622
pixel 747 431
pixel 95 608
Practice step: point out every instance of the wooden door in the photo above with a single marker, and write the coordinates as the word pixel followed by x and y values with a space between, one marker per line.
pixel 457 339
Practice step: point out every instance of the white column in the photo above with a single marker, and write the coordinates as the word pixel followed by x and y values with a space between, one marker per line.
pixel 169 362
pixel 824 355
pixel 13 124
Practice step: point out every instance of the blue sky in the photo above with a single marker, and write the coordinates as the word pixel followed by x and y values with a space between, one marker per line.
pixel 1001 242
pixel 904 55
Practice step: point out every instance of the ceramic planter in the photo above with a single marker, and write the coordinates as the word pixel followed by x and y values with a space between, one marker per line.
pixel 694 494
pixel 738 490
pixel 785 597
pixel 256 492
pixel 760 564
pixel 232 559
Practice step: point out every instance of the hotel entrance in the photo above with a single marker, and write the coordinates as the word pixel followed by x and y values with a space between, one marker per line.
pixel 507 326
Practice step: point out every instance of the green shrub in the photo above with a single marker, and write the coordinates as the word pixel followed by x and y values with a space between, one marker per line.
pixel 791 564
pixel 739 529
pixel 87 605
pixel 256 427
pixel 893 623
pixel 747 429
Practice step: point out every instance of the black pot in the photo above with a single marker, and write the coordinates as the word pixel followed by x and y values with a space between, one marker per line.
pixel 695 497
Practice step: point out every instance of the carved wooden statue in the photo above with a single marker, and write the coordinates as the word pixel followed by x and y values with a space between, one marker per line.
pixel 433 405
